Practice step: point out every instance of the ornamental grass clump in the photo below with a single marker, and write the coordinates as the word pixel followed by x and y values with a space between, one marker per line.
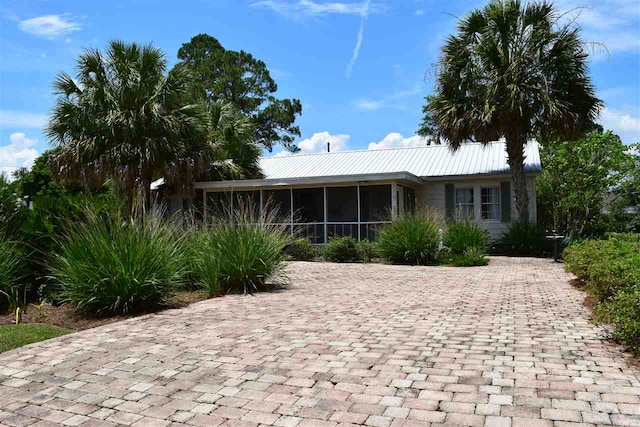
pixel 524 238
pixel 11 269
pixel 462 235
pixel 240 252
pixel 410 239
pixel 110 264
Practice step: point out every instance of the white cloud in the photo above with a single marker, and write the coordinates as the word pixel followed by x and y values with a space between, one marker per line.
pixel 369 104
pixel 318 144
pixel 392 101
pixel 19 153
pixel 301 8
pixel 22 119
pixel 622 123
pixel 50 26
pixel 395 140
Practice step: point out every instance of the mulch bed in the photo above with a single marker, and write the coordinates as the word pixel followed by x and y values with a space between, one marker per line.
pixel 65 316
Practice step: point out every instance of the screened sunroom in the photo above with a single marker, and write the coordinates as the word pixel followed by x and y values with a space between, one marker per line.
pixel 317 212
pixel 354 193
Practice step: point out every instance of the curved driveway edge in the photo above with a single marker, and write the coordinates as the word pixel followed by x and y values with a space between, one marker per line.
pixel 345 344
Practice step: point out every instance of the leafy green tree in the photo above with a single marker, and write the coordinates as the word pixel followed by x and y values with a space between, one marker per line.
pixel 516 71
pixel 239 78
pixel 38 181
pixel 577 178
pixel 127 120
pixel 428 127
pixel 10 205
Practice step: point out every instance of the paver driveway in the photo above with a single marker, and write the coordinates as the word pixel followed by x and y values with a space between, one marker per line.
pixel 507 344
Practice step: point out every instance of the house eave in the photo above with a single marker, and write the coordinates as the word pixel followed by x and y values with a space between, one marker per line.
pixel 311 181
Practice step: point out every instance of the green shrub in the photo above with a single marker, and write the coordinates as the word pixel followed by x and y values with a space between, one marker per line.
pixel 341 249
pixel 368 250
pixel 301 250
pixel 623 313
pixel 239 253
pixel 11 269
pixel 524 238
pixel 625 237
pixel 462 235
pixel 606 266
pixel 473 256
pixel 611 271
pixel 10 264
pixel 108 264
pixel 579 256
pixel 410 239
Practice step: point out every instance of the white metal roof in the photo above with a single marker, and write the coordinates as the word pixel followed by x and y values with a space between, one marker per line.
pixel 425 162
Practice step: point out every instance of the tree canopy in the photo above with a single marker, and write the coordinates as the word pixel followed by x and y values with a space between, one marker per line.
pixel 513 70
pixel 581 178
pixel 127 120
pixel 244 81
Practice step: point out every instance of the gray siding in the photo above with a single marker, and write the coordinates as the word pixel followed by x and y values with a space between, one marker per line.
pixel 432 195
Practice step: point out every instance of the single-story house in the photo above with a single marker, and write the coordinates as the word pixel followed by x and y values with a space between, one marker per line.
pixel 355 192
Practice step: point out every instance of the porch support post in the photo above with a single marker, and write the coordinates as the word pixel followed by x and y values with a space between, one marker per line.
pixel 261 207
pixel 394 201
pixel 326 225
pixel 204 206
pixel 291 210
pixel 359 218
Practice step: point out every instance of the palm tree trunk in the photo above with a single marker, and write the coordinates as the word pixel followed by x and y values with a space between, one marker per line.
pixel 515 152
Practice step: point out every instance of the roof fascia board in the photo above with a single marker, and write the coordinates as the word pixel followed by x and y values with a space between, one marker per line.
pixel 310 181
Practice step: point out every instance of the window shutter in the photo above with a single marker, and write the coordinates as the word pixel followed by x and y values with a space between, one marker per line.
pixel 449 200
pixel 505 201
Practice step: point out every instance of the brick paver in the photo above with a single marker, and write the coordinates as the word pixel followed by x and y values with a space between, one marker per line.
pixel 345 344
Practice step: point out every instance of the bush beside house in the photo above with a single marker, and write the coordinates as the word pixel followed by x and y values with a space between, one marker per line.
pixel 465 244
pixel 410 239
pixel 610 269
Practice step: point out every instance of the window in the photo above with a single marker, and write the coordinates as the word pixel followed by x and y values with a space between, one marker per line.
pixel 219 204
pixel 278 202
pixel 490 203
pixel 308 205
pixel 342 204
pixel 409 200
pixel 247 203
pixel 464 203
pixel 375 203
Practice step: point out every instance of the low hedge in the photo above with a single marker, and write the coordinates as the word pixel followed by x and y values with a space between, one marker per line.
pixel 301 250
pixel 605 266
pixel 610 270
pixel 341 249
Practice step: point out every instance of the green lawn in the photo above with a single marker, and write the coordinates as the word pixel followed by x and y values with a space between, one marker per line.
pixel 13 336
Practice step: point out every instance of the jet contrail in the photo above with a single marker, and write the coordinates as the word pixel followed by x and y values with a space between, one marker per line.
pixel 356 49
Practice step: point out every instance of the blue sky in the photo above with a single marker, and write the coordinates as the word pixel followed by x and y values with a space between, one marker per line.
pixel 361 69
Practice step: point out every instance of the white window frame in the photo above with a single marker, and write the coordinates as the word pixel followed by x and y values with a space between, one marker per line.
pixel 498 202
pixel 467 204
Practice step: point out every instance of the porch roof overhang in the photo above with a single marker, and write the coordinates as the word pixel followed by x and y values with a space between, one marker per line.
pixel 314 181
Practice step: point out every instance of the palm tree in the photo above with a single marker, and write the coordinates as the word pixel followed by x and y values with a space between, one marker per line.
pixel 124 119
pixel 513 71
pixel 236 152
